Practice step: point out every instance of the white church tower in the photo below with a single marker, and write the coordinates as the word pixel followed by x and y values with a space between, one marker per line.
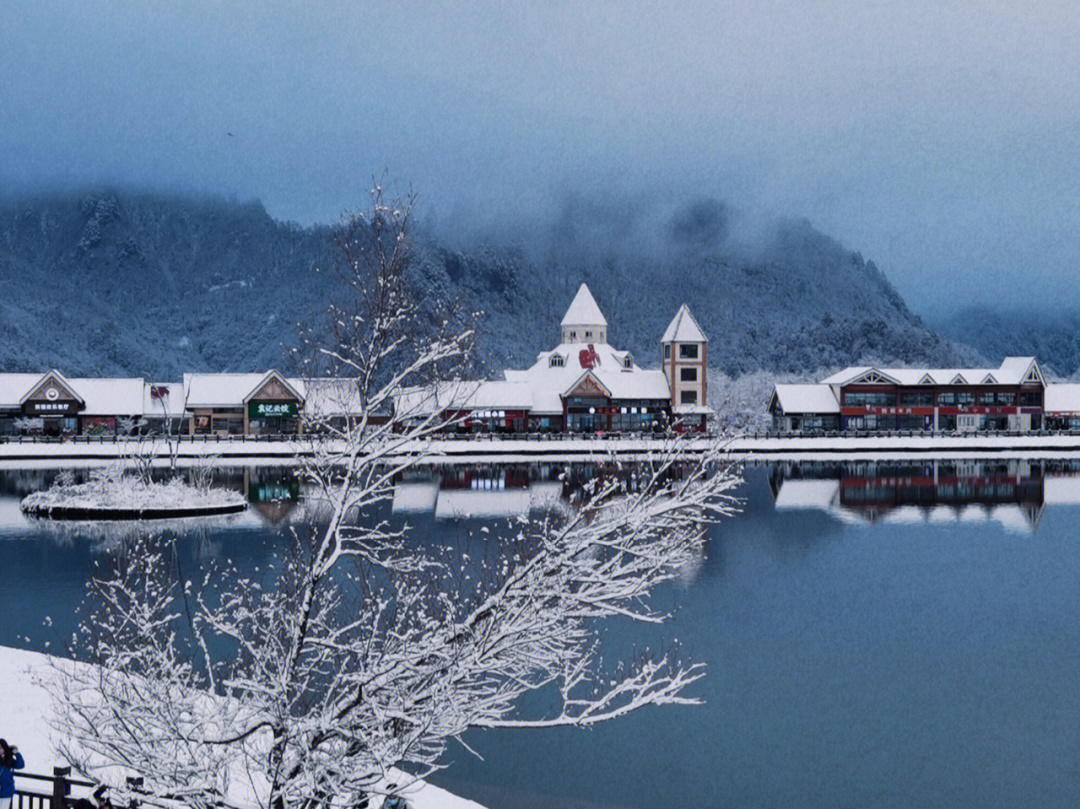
pixel 685 358
pixel 583 321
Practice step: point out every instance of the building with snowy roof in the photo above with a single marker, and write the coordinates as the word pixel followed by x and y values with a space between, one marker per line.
pixel 1015 396
pixel 582 385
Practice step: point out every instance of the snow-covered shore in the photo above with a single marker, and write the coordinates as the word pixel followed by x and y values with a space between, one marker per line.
pixel 481 449
pixel 25 707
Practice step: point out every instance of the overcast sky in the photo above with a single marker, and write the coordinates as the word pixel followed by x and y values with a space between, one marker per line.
pixel 938 138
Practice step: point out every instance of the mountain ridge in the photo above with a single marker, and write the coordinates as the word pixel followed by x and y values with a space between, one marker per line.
pixel 127 282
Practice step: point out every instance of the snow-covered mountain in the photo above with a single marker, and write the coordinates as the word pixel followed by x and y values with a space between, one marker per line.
pixel 135 283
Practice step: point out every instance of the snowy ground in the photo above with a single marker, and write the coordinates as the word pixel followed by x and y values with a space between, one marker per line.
pixel 473 450
pixel 503 450
pixel 25 706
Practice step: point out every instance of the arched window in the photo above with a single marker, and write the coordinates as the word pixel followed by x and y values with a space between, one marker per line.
pixel 556 361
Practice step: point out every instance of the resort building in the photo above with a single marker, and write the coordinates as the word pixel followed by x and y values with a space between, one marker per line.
pixel 583 385
pixel 1012 397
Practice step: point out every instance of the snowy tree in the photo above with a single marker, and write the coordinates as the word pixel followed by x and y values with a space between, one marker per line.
pixel 364 652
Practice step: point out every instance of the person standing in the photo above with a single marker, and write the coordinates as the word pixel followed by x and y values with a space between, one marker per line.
pixel 10 760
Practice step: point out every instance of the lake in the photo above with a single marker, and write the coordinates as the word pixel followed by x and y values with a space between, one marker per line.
pixel 876 635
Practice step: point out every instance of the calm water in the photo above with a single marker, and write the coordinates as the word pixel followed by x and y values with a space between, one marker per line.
pixel 876 636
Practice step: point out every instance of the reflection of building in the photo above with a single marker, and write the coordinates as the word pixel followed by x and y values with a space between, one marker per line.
pixel 1012 493
pixel 1013 396
pixel 479 492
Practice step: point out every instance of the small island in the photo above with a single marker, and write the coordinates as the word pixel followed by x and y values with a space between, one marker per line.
pixel 128 497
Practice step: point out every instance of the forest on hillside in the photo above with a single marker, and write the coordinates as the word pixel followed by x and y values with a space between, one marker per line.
pixel 121 282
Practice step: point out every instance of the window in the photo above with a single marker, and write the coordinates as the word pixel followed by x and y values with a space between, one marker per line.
pixel 965 397
pixel 1004 398
pixel 556 361
pixel 667 351
pixel 923 398
pixel 1031 398
pixel 688 374
pixel 588 334
pixel 573 335
pixel 688 351
pixel 857 399
pixel 688 397
pixel 946 399
pixel 986 397
pixel 628 362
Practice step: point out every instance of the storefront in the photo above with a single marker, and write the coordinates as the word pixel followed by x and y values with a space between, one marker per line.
pixel 51 408
pixel 273 417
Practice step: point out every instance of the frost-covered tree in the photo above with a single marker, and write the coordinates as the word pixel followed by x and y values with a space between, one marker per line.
pixel 364 652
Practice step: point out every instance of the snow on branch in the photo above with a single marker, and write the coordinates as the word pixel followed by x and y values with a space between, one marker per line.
pixel 367 651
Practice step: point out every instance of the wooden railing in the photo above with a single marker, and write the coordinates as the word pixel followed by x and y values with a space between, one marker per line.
pixel 54 791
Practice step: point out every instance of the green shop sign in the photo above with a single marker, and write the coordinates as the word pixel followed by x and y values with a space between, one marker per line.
pixel 272 410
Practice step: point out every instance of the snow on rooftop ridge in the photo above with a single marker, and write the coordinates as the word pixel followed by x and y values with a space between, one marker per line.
pixel 583 310
pixel 684 328
pixel 1012 371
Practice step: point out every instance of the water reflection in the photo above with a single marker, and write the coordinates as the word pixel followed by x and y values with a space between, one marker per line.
pixel 1013 493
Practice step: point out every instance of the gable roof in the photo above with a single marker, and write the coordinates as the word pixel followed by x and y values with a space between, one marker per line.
pixel 684 328
pixel 800 398
pixel 583 310
pixel 59 379
pixel 609 368
pixel 272 374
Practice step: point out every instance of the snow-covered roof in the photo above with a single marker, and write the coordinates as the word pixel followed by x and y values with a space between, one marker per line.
pixel 485 395
pixel 328 396
pixel 1012 371
pixel 13 387
pixel 806 398
pixel 229 390
pixel 1061 398
pixel 684 328
pixel 548 384
pixel 219 390
pixel 110 397
pixel 583 310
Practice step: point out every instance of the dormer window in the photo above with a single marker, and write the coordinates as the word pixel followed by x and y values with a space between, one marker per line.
pixel 628 361
pixel 556 361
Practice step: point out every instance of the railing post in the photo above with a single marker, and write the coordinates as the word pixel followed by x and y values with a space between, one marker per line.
pixel 135 784
pixel 61 788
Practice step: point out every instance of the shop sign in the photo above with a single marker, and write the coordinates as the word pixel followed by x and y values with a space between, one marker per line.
pixel 54 408
pixel 272 410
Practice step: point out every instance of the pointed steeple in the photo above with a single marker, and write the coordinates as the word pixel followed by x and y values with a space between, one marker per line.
pixel 583 321
pixel 684 328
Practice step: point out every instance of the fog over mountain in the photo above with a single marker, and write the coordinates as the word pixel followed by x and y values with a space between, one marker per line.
pixel 938 138
pixel 135 283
